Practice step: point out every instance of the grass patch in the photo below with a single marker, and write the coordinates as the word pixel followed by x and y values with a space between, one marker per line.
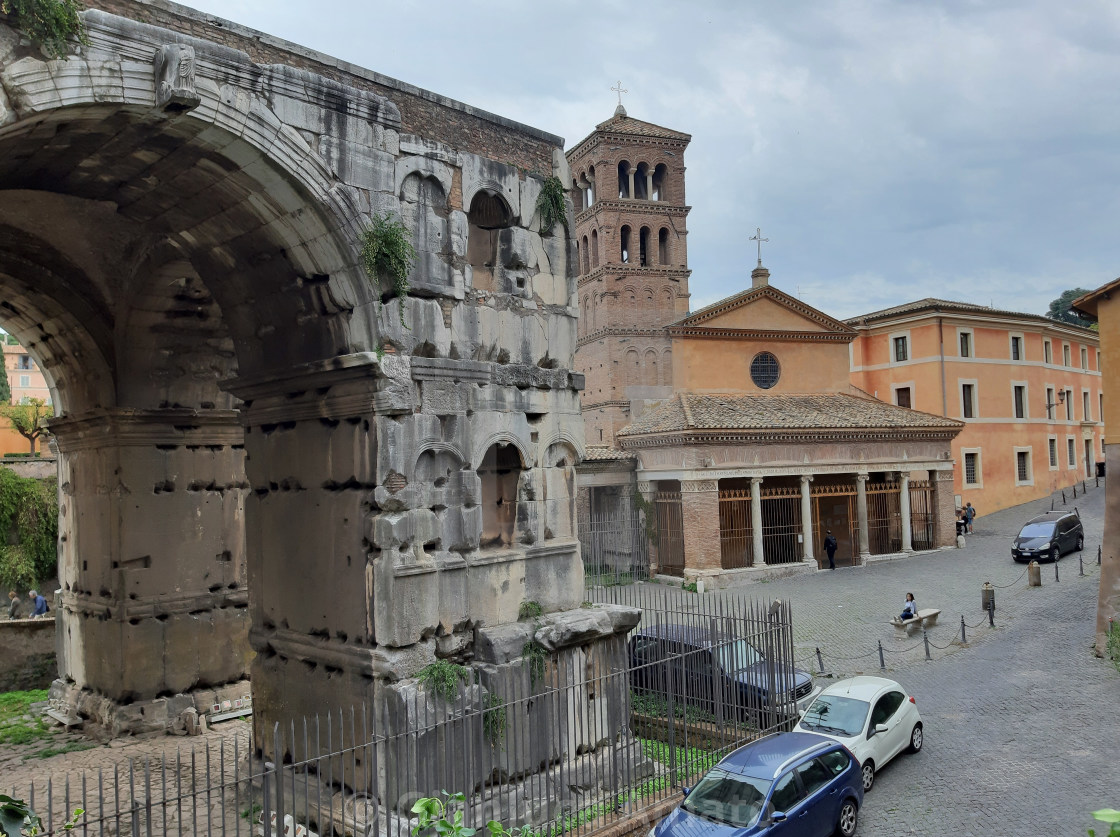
pixel 17 727
pixel 72 747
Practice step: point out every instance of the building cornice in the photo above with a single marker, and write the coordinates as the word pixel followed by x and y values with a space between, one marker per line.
pixel 628 271
pixel 630 205
pixel 620 332
pixel 764 436
pixel 702 333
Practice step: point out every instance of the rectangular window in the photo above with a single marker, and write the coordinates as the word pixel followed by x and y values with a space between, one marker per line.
pixel 1084 358
pixel 1016 348
pixel 966 344
pixel 1085 416
pixel 1050 402
pixel 971 468
pixel 1065 354
pixel 901 351
pixel 1023 466
pixel 1100 398
pixel 1020 396
pixel 25 362
pixel 968 409
pixel 1053 453
pixel 1098 360
pixel 1047 351
pixel 25 380
pixel 902 396
pixel 1069 405
pixel 1071 456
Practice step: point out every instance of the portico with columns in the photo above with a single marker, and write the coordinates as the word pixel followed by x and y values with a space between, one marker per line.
pixel 765 447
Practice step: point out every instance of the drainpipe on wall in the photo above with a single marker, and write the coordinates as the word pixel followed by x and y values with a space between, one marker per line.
pixel 941 350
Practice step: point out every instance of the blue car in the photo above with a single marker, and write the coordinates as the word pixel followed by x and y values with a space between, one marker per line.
pixel 790 783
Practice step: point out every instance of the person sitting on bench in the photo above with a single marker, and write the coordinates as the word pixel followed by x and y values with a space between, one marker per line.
pixel 910 610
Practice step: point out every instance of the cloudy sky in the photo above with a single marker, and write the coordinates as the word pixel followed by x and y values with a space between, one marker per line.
pixel 889 150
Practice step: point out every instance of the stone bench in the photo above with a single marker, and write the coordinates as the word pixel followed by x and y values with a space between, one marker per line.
pixel 926 618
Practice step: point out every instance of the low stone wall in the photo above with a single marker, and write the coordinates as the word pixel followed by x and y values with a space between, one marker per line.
pixel 39 468
pixel 27 659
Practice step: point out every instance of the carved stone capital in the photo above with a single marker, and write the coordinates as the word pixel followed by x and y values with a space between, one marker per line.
pixel 756 480
pixel 646 488
pixel 862 477
pixel 696 486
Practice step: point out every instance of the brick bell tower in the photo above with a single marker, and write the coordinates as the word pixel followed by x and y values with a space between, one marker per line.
pixel 628 185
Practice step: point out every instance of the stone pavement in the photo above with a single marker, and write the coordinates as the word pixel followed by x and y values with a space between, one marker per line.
pixel 1021 723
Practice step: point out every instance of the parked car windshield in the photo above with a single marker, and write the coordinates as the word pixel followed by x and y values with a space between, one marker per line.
pixel 737 655
pixel 728 798
pixel 1037 530
pixel 836 715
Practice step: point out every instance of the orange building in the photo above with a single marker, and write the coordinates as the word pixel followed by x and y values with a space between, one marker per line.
pixel 25 377
pixel 1027 388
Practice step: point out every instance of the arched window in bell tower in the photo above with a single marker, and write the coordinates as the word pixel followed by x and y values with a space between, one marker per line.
pixel 594 248
pixel 643 247
pixel 590 186
pixel 583 265
pixel 624 175
pixel 663 246
pixel 660 173
pixel 641 182
pixel 624 244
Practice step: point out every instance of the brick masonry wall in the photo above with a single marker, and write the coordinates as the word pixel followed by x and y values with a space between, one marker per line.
pixel 27 658
pixel 422 113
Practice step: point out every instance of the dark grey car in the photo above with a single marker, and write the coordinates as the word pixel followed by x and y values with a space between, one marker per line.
pixel 1050 535
pixel 722 674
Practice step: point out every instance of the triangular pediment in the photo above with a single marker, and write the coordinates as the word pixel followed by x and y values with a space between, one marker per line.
pixel 763 309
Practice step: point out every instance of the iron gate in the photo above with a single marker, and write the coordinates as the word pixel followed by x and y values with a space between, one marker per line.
pixel 735 533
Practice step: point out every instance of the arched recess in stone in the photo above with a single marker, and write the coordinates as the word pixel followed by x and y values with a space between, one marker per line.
pixel 559 490
pixel 499 474
pixel 424 210
pixel 451 492
pixel 489 214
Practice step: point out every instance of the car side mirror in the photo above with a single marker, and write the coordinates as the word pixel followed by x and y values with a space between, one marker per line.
pixel 881 728
pixel 778 816
pixel 684 791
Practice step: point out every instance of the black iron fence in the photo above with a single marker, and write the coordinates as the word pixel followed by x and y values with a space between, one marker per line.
pixel 563 744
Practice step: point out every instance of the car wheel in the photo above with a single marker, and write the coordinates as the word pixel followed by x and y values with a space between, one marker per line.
pixel 868 771
pixel 1055 553
pixel 1080 542
pixel 848 819
pixel 916 738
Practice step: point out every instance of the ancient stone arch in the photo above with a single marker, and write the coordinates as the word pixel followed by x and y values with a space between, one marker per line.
pixel 240 406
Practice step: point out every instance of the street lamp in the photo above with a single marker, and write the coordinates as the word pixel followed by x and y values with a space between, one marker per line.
pixel 1051 405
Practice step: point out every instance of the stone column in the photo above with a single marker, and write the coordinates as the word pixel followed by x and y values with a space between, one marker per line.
pixel 648 492
pixel 151 562
pixel 861 517
pixel 944 509
pixel 631 195
pixel 756 521
pixel 700 514
pixel 649 185
pixel 807 518
pixel 904 511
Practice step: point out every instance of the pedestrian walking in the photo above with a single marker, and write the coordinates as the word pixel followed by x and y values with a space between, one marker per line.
pixel 15 606
pixel 38 603
pixel 969 514
pixel 830 545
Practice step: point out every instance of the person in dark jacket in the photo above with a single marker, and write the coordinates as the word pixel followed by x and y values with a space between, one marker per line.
pixel 39 604
pixel 830 545
pixel 15 606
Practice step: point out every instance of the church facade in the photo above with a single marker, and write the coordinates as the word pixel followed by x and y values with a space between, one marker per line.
pixel 726 443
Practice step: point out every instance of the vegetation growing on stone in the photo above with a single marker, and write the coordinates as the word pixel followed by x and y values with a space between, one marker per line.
pixel 536 655
pixel 494 719
pixel 28 530
pixel 51 24
pixel 443 678
pixel 529 610
pixel 387 253
pixel 550 204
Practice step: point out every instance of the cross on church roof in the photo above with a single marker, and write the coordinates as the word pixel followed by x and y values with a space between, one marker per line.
pixel 620 90
pixel 758 237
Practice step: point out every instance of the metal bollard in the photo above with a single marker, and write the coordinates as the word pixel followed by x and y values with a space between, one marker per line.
pixel 1098 555
pixel 1063 496
pixel 1056 571
pixel 1097 481
pixel 1080 565
pixel 992 613
pixel 925 639
pixel 1082 486
pixel 964 639
pixel 1051 504
pixel 820 661
pixel 1075 491
pixel 882 662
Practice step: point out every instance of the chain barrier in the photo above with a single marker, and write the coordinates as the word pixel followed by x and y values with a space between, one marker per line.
pixel 818 656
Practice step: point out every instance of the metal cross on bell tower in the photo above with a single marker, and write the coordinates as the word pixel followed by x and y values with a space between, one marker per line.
pixel 758 237
pixel 619 89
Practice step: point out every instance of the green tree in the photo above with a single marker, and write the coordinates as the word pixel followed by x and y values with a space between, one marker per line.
pixel 5 390
pixel 28 530
pixel 1059 308
pixel 28 419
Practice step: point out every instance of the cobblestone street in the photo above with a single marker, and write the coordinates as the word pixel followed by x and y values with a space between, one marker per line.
pixel 1021 725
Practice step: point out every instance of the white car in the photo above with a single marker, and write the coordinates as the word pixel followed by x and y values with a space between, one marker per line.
pixel 873 717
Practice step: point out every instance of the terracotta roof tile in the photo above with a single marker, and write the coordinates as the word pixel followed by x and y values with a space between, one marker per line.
pixel 629 125
pixel 949 307
pixel 601 453
pixel 825 411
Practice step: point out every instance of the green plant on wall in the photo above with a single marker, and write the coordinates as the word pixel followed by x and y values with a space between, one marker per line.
pixel 28 529
pixel 387 253
pixel 550 204
pixel 494 719
pixel 52 24
pixel 536 655
pixel 443 678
